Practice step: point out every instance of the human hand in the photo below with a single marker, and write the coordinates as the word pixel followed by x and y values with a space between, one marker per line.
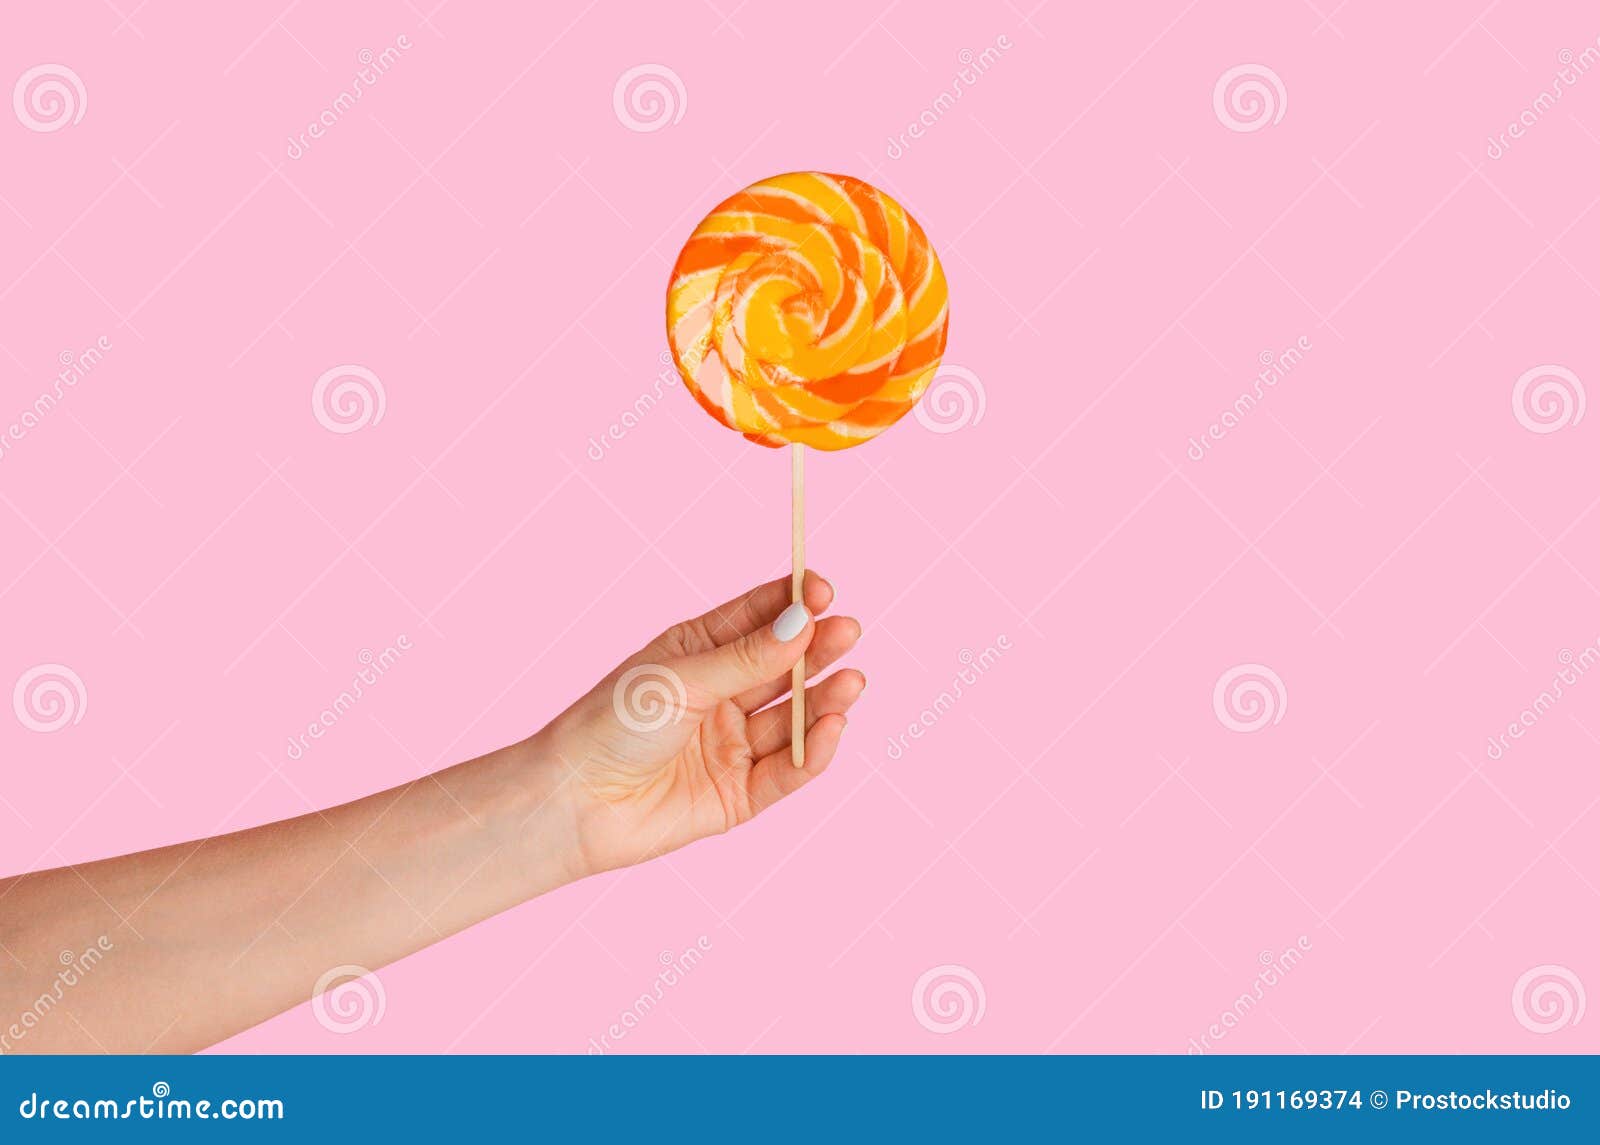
pixel 679 742
pixel 686 738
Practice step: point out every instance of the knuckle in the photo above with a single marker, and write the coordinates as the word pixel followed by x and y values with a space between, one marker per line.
pixel 750 659
pixel 677 640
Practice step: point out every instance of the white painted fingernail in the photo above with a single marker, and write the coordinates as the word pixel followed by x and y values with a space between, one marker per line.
pixel 790 623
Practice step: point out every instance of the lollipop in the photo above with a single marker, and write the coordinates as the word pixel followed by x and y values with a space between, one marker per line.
pixel 808 309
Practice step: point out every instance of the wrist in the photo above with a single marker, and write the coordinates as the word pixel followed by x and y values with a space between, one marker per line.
pixel 516 810
pixel 545 813
pixel 583 806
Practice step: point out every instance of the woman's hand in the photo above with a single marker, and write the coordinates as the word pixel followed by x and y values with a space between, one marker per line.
pixel 679 742
pixel 215 935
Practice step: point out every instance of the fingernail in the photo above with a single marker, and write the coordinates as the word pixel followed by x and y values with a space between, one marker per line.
pixel 790 623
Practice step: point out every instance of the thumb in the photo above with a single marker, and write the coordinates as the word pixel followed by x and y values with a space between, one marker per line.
pixel 755 658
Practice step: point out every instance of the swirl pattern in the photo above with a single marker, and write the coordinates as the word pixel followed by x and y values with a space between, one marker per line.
pixel 49 697
pixel 1249 97
pixel 649 97
pixel 808 308
pixel 955 400
pixel 1548 998
pixel 948 998
pixel 1249 697
pixel 347 999
pixel 649 698
pixel 1548 398
pixel 49 97
pixel 348 398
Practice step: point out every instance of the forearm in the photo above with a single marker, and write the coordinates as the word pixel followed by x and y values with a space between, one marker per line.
pixel 210 937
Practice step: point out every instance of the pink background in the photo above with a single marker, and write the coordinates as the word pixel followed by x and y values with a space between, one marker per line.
pixel 1080 832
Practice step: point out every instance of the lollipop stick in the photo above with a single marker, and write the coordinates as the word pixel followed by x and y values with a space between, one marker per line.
pixel 797 584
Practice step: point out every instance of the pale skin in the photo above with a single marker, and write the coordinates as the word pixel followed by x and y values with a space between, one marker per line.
pixel 210 937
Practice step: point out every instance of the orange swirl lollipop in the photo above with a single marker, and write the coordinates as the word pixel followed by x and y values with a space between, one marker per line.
pixel 808 309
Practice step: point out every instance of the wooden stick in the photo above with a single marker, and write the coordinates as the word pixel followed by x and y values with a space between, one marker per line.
pixel 797 585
